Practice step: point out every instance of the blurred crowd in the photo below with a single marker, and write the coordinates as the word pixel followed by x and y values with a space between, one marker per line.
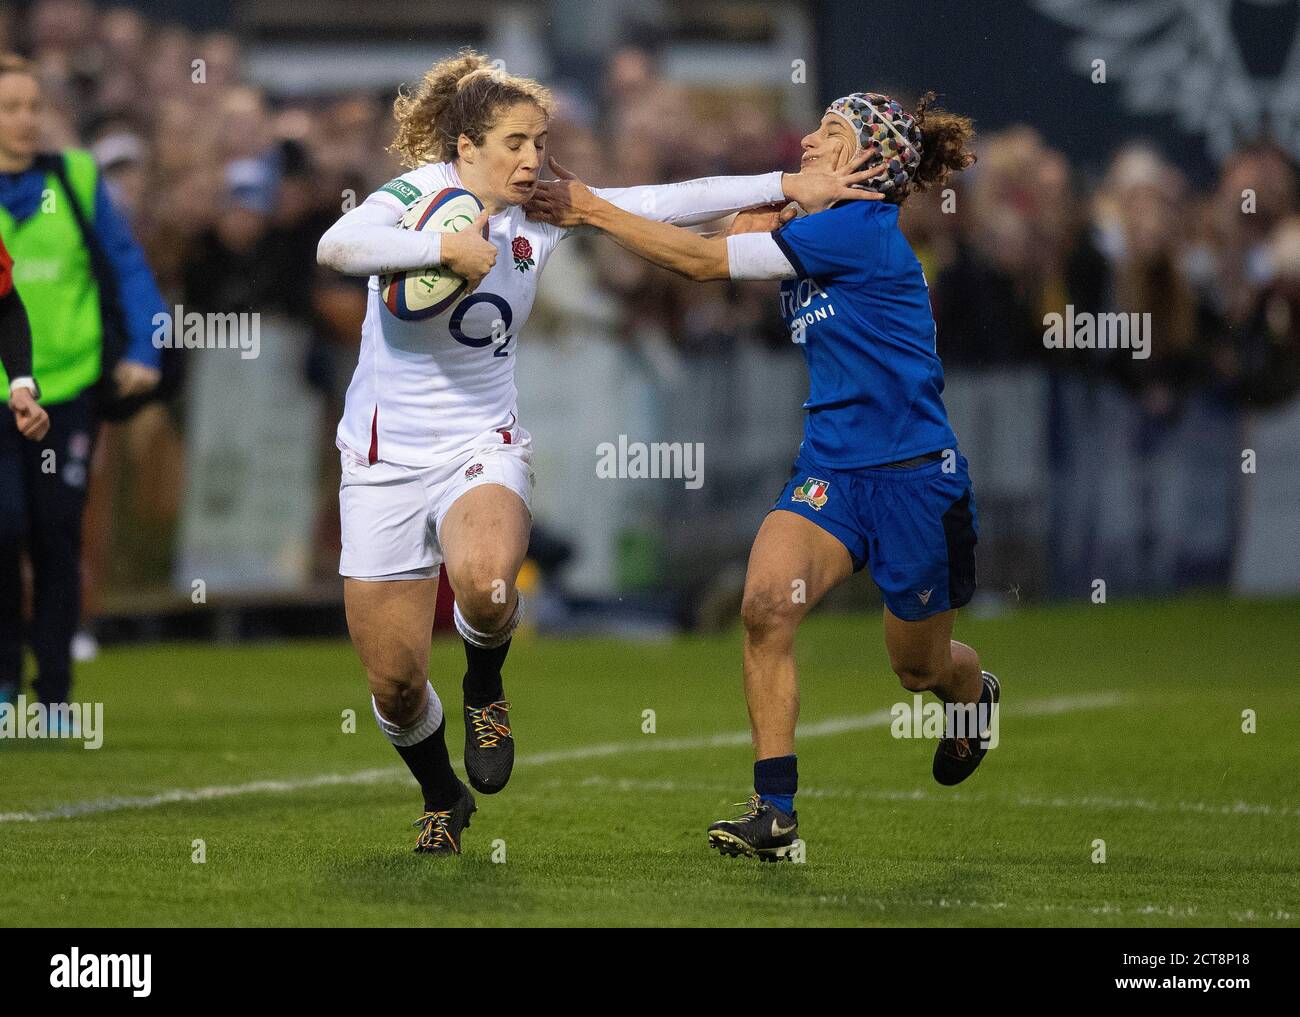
pixel 228 191
pixel 1218 269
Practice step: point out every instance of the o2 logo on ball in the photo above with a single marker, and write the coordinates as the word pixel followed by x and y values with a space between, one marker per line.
pixel 503 315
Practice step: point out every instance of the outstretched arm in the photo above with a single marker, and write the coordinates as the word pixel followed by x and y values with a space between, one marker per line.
pixel 691 202
pixel 672 247
pixel 750 252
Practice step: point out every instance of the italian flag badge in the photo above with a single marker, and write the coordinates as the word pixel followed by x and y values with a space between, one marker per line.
pixel 812 492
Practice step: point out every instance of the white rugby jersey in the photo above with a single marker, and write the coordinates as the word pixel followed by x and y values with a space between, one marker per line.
pixel 424 391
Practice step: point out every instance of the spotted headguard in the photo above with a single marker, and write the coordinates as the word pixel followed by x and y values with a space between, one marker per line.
pixel 877 119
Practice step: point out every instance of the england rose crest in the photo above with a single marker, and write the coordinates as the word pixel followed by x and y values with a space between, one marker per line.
pixel 522 251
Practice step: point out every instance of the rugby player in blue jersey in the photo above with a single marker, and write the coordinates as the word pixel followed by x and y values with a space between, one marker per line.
pixel 878 481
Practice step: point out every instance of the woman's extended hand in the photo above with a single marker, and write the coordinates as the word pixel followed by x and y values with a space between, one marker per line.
pixel 817 188
pixel 563 202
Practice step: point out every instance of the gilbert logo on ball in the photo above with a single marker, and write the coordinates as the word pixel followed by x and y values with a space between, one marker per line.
pixel 425 293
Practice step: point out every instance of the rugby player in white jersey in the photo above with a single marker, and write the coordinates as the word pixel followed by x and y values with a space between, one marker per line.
pixel 437 470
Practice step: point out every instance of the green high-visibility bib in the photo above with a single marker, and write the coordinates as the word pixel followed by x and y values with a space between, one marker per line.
pixel 53 275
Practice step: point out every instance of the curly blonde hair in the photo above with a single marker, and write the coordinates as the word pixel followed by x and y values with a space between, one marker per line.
pixel 460 95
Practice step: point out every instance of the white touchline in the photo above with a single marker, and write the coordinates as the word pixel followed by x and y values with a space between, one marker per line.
pixel 816 729
pixel 202 794
pixel 1104 908
pixel 633 785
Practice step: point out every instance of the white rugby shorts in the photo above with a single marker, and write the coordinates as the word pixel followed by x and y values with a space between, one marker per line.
pixel 392 515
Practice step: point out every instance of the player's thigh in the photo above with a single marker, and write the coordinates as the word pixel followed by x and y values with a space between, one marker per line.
pixel 919 647
pixel 923 533
pixel 391 623
pixel 484 539
pixel 385 513
pixel 792 565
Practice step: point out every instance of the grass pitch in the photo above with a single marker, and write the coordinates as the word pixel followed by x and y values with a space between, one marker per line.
pixel 1121 723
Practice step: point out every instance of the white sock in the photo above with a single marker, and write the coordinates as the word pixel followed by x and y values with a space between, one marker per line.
pixel 489 640
pixel 417 732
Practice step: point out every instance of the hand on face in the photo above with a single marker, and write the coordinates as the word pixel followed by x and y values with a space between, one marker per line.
pixel 563 202
pixel 819 184
pixel 829 168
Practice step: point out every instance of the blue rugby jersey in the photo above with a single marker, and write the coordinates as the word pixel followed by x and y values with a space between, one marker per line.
pixel 875 380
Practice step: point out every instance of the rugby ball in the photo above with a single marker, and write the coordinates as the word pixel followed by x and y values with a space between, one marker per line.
pixel 425 293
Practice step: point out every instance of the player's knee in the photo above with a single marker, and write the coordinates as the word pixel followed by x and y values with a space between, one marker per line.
pixel 919 675
pixel 398 686
pixel 767 612
pixel 398 702
pixel 485 600
pixel 399 697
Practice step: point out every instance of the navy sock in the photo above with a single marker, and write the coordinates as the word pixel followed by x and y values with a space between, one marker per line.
pixel 776 781
pixel 430 765
pixel 482 684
